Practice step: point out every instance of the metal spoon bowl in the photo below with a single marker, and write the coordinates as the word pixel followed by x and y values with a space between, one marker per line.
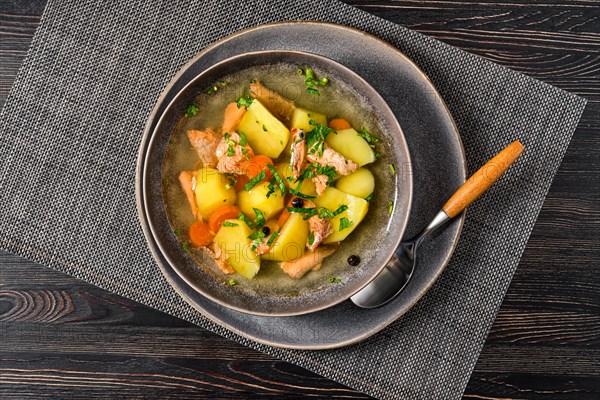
pixel 399 269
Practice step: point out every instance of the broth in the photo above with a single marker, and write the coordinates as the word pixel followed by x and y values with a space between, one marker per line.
pixel 336 100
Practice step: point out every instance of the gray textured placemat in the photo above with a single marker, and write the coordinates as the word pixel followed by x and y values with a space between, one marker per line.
pixel 70 130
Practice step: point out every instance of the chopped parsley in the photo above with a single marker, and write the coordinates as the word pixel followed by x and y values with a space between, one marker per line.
pixel 177 232
pixel 272 238
pixel 231 282
pixel 291 295
pixel 229 224
pixel 191 110
pixel 369 197
pixel 322 212
pixel 311 81
pixel 212 89
pixel 254 181
pixel 230 151
pixel 297 192
pixel 367 136
pixel 256 238
pixel 271 187
pixel 260 218
pixel 244 101
pixel 279 179
pixel 393 169
pixel 232 180
pixel 247 220
pixel 391 207
pixel 243 141
pixel 186 247
pixel 334 280
pixel 171 141
pixel 345 223
pixel 315 139
pixel 311 238
pixel 257 235
pixel 264 128
pixel 316 169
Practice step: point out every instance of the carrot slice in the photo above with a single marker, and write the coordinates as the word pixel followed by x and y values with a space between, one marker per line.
pixel 240 182
pixel 221 214
pixel 232 118
pixel 256 165
pixel 200 234
pixel 339 124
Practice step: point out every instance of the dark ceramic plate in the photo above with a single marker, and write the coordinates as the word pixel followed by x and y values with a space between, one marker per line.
pixel 438 169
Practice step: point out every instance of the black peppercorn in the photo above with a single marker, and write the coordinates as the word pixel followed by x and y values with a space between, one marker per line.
pixel 266 230
pixel 354 260
pixel 297 202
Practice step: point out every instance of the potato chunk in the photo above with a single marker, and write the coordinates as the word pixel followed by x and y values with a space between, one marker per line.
pixel 291 242
pixel 257 198
pixel 301 119
pixel 285 171
pixel 233 240
pixel 350 145
pixel 266 134
pixel 360 183
pixel 212 191
pixel 332 198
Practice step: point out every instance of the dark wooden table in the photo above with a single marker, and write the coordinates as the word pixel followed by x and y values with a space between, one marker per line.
pixel 63 338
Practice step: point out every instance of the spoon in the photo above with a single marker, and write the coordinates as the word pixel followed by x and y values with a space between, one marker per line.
pixel 399 269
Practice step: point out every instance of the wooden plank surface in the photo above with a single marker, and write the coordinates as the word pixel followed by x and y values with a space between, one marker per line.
pixel 62 338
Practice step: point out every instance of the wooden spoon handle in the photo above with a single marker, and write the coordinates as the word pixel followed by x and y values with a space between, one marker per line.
pixel 483 179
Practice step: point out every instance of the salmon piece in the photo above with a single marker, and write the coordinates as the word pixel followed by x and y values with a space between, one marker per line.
pixel 213 250
pixel 298 151
pixel 233 117
pixel 334 159
pixel 319 227
pixel 279 106
pixel 300 266
pixel 187 180
pixel 321 182
pixel 234 163
pixel 205 143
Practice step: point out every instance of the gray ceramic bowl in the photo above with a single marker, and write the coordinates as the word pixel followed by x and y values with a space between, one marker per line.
pixel 375 240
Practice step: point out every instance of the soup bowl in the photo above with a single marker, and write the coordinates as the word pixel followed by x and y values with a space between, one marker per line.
pixel 162 205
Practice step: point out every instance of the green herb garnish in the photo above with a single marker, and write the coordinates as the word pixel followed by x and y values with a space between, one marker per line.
pixel 231 282
pixel 256 235
pixel 177 232
pixel 279 179
pixel 243 140
pixel 186 247
pixel 230 151
pixel 369 197
pixel 391 207
pixel 311 80
pixel 311 238
pixel 297 192
pixel 271 187
pixel 315 139
pixel 393 169
pixel 334 280
pixel 260 218
pixel 264 128
pixel 191 110
pixel 345 223
pixel 229 224
pixel 247 220
pixel 367 136
pixel 254 181
pixel 272 238
pixel 212 89
pixel 244 101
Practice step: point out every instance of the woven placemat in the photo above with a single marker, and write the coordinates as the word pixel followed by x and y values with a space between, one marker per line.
pixel 70 130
